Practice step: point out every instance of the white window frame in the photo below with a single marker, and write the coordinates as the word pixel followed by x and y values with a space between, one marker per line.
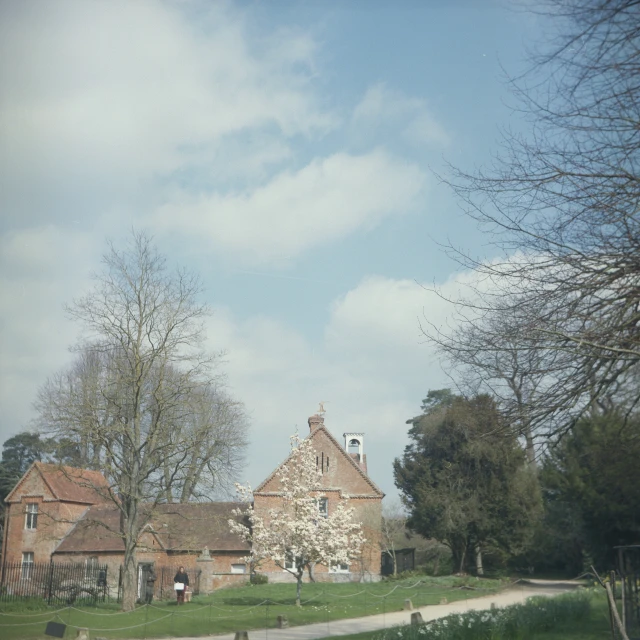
pixel 323 507
pixel 290 564
pixel 239 568
pixel 340 568
pixel 28 560
pixel 31 516
pixel 91 566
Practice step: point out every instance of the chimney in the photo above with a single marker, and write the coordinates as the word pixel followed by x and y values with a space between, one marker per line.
pixel 315 421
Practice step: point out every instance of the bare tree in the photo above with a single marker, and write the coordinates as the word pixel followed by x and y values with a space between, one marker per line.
pixel 562 205
pixel 393 530
pixel 143 401
pixel 489 353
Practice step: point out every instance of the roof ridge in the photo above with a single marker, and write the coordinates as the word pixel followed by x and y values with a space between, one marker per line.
pixel 38 465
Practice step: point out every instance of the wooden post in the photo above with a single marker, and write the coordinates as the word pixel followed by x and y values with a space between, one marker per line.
pixel 283 622
pixel 416 618
pixel 613 611
pixel 242 635
pixel 408 605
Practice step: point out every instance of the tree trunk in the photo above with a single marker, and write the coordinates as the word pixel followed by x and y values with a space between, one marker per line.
pixel 311 567
pixel 129 586
pixel 298 587
pixel 479 568
pixel 463 557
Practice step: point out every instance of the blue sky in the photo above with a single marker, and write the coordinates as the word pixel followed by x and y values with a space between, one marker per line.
pixel 286 151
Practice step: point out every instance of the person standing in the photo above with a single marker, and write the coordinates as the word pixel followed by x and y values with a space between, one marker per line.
pixel 151 586
pixel 181 578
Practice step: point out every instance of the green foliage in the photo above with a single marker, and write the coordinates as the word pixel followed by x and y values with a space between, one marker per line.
pixel 591 486
pixel 516 622
pixel 437 398
pixel 464 480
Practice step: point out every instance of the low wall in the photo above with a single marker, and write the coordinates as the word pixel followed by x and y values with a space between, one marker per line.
pixel 285 576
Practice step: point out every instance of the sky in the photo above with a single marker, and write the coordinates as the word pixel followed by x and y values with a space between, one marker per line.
pixel 288 152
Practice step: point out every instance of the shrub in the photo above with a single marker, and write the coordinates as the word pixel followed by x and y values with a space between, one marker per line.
pixel 258 578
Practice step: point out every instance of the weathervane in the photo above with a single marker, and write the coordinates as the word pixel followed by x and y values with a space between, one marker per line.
pixel 322 410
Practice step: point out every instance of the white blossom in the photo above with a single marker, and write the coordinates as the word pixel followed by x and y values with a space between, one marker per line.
pixel 294 529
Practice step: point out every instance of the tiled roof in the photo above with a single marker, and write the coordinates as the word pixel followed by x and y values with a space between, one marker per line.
pixel 96 531
pixel 69 484
pixel 177 527
pixel 193 526
pixel 75 485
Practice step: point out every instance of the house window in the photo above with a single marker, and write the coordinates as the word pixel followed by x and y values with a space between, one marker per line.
pixel 92 566
pixel 31 517
pixel 290 563
pixel 323 507
pixel 340 568
pixel 27 565
pixel 238 568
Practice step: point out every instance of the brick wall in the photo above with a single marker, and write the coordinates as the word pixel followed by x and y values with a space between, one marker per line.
pixel 53 522
pixel 340 478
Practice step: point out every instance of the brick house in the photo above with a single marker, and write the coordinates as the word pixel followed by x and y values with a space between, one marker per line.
pixel 63 514
pixel 344 475
pixel 43 506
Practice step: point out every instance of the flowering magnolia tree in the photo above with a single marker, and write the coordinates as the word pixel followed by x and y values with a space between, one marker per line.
pixel 295 534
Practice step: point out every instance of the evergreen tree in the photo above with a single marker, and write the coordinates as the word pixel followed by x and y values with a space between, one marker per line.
pixel 591 486
pixel 464 482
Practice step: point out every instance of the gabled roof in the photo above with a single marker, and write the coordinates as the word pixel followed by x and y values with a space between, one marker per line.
pixel 176 527
pixel 67 484
pixel 323 429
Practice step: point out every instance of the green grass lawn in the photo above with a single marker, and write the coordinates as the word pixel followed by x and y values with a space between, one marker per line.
pixel 241 608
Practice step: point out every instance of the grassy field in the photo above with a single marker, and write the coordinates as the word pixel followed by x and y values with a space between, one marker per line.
pixel 241 608
pixel 568 622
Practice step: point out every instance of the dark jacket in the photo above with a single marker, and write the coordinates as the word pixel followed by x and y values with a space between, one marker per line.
pixel 182 577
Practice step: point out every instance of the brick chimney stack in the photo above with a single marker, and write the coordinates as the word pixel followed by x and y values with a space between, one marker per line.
pixel 315 421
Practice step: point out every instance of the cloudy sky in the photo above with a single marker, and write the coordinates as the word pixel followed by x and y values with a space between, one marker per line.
pixel 286 151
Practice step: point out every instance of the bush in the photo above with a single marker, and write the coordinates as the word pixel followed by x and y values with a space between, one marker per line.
pixel 258 578
pixel 517 621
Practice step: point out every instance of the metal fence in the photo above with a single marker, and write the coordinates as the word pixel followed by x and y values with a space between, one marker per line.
pixel 54 582
pixel 163 587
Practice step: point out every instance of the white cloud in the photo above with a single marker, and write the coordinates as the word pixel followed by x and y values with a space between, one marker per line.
pixel 322 202
pixel 370 365
pixel 99 98
pixel 39 271
pixel 381 105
